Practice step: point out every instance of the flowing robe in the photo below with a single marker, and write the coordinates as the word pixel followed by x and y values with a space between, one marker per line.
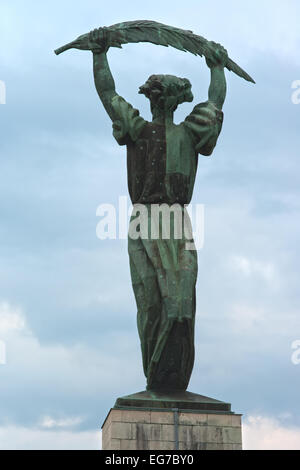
pixel 162 162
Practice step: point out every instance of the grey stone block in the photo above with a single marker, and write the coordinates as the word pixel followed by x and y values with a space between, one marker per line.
pixel 121 430
pixel 232 435
pixel 162 417
pixel 155 430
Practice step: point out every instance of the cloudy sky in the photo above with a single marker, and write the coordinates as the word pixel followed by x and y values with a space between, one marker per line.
pixel 67 311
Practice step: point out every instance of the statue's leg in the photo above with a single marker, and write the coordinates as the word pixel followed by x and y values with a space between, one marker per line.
pixel 148 299
pixel 173 359
pixel 176 271
pixel 173 370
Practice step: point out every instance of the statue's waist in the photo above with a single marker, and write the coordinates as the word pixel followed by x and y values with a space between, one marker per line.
pixel 152 188
pixel 157 200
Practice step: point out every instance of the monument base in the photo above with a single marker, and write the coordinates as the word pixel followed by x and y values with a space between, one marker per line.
pixel 180 421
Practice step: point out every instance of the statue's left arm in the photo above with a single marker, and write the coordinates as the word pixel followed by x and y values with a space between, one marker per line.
pixel 205 121
pixel 218 88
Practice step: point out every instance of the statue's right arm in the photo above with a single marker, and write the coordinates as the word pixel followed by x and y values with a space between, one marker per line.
pixel 127 123
pixel 104 82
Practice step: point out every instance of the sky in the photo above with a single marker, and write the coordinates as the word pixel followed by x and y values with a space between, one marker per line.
pixel 67 310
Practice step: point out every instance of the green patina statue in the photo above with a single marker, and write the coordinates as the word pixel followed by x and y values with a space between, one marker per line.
pixel 162 163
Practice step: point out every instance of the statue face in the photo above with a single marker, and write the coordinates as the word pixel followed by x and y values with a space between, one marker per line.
pixel 166 92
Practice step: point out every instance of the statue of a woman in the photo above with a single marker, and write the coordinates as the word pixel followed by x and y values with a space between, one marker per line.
pixel 162 164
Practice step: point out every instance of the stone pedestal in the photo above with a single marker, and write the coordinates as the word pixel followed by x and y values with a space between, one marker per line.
pixel 162 427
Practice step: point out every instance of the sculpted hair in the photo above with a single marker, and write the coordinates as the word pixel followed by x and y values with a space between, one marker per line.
pixel 167 91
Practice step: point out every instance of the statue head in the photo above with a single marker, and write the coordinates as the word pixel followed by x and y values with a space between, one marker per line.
pixel 166 92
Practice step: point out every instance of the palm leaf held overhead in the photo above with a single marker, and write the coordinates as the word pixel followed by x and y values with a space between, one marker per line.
pixel 156 33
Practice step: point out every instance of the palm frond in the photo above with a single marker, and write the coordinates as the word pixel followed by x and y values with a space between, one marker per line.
pixel 159 34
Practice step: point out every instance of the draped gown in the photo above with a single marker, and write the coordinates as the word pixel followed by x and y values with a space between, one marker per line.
pixel 162 162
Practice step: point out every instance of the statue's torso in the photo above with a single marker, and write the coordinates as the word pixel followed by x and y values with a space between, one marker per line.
pixel 162 165
pixel 163 158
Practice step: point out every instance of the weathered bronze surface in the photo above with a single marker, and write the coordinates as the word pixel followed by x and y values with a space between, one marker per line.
pixel 155 33
pixel 179 400
pixel 162 164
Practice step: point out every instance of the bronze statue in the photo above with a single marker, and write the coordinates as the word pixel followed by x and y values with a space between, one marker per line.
pixel 162 165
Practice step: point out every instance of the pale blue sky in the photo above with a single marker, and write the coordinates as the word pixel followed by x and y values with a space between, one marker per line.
pixel 67 311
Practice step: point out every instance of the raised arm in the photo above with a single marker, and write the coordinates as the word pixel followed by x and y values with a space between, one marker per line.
pixel 218 88
pixel 104 82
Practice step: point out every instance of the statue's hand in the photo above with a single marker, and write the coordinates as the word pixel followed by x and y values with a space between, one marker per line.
pixel 219 55
pixel 95 41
